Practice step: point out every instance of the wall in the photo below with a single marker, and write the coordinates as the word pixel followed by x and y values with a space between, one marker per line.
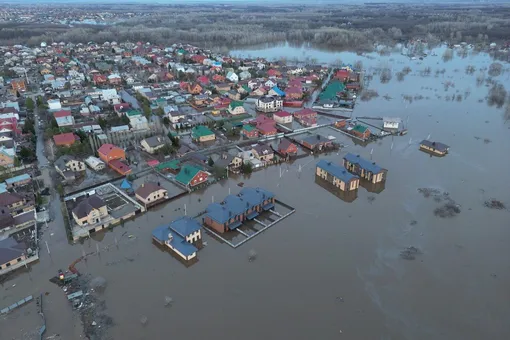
pixel 12 263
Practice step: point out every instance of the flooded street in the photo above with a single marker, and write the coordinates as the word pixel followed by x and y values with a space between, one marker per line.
pixel 331 267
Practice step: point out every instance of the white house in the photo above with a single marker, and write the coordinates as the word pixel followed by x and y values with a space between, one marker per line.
pixel 391 123
pixel 269 104
pixel 54 104
pixel 232 76
pixel 110 95
pixel 139 123
pixel 95 163
pixel 282 117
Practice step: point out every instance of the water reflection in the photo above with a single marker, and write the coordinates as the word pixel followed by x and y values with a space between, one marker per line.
pixel 375 188
pixel 346 196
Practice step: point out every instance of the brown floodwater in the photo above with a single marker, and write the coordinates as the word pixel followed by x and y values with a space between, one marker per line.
pixel 331 267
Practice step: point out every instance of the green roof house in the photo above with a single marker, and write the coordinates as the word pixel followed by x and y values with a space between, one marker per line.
pixel 191 176
pixel 236 108
pixel 202 133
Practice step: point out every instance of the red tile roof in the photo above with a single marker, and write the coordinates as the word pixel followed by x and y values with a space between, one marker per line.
pixel 61 113
pixel 65 138
pixel 105 149
pixel 281 114
pixel 119 166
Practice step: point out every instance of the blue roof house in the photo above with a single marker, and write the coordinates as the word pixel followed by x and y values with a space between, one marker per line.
pixel 275 91
pixel 336 175
pixel 180 236
pixel 18 180
pixel 230 214
pixel 364 168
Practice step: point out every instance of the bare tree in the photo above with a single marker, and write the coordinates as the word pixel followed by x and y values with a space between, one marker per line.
pixel 497 95
pixel 385 75
pixel 400 76
pixel 506 114
pixel 358 65
pixel 495 69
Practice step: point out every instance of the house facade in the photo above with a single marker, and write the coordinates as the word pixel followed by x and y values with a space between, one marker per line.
pixel 287 148
pixel 336 175
pixel 11 253
pixel 364 168
pixel 236 108
pixel 202 133
pixel 269 104
pixel 249 131
pixel 90 210
pixel 191 176
pixel 282 117
pixel 151 193
pixel 153 144
pixel 109 152
pixel 263 152
pixel 180 236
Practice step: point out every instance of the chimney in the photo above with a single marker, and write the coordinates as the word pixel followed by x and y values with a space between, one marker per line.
pixel 143 184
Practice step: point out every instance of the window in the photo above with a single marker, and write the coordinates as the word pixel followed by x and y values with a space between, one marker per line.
pixel 8 264
pixel 19 260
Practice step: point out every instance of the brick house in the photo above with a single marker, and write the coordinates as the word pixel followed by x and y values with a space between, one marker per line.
pixel 191 176
pixel 282 117
pixel 249 131
pixel 287 148
pixel 361 131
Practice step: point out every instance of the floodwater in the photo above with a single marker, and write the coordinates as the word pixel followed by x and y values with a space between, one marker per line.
pixel 332 269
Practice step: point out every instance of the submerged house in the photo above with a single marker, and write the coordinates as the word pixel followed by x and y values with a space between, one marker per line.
pixel 180 236
pixel 363 168
pixel 435 148
pixel 336 175
pixel 230 214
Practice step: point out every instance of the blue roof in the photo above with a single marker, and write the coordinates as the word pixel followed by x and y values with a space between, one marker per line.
pixel 255 196
pixel 181 245
pixel 161 234
pixel 125 184
pixel 336 170
pixel 19 178
pixel 277 90
pixel 235 204
pixel 363 163
pixel 3 188
pixel 185 226
pixel 218 212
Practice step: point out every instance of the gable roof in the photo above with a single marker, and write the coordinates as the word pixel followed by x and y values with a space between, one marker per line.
pixel 436 145
pixel 363 163
pixel 201 131
pixel 336 170
pixel 148 188
pixel 277 90
pixel 87 205
pixel 185 226
pixel 155 141
pixel 186 174
pixel 8 198
pixel 61 113
pixel 281 114
pixel 285 144
pixel 236 103
pixel 106 149
pixel 10 249
pixel 64 138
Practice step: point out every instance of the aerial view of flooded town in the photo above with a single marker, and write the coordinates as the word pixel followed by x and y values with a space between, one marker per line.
pixel 247 170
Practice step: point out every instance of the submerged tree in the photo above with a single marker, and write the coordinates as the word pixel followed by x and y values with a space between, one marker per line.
pixel 448 54
pixel 385 75
pixel 495 69
pixel 497 95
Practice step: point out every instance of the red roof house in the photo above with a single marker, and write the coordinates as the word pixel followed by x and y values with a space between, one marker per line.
pixel 267 129
pixel 198 58
pixel 122 107
pixel 294 93
pixel 109 152
pixel 100 79
pixel 274 73
pixel 65 139
pixel 203 80
pixel 305 113
pixel 119 166
pixel 342 75
pixel 286 147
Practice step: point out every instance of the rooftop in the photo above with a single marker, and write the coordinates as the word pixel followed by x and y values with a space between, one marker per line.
pixel 186 174
pixel 363 163
pixel 336 170
pixel 87 205
pixel 148 188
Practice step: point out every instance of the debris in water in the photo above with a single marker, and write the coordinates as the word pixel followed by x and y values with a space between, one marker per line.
pixel 410 253
pixel 413 222
pixel 371 199
pixel 252 255
pixel 494 204
pixel 98 284
pixel 449 209
pixel 131 236
pixel 487 141
pixel 93 323
pixel 144 320
pixel 168 301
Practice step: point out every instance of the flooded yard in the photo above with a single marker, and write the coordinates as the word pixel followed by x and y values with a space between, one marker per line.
pixel 336 264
